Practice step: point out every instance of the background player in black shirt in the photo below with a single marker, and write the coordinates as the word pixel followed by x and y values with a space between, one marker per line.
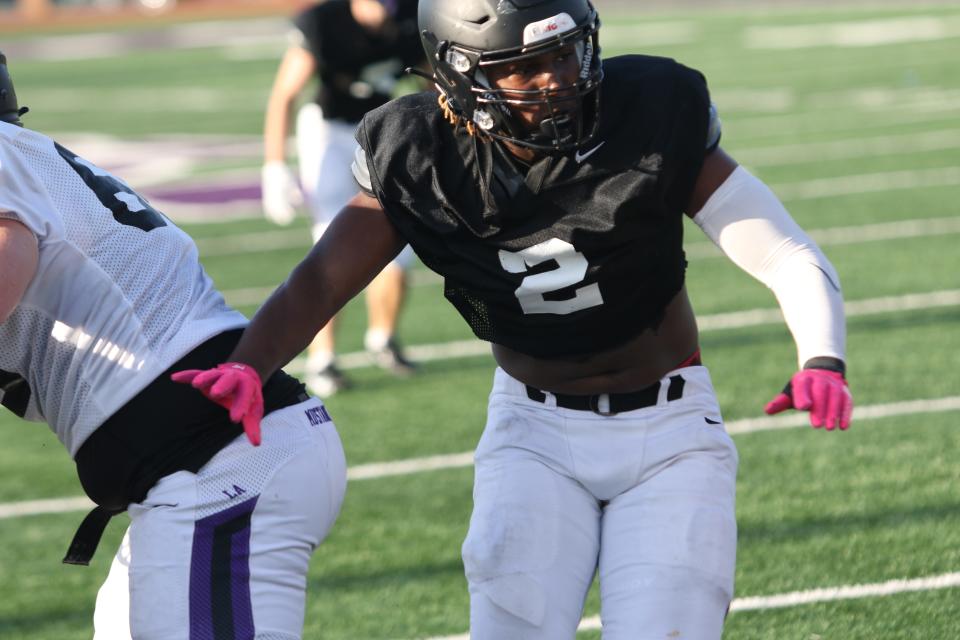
pixel 549 189
pixel 355 50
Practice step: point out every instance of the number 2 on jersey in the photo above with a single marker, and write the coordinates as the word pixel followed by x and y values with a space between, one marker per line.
pixel 571 269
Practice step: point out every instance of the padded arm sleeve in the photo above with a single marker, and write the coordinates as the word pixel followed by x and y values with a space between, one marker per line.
pixel 361 172
pixel 749 224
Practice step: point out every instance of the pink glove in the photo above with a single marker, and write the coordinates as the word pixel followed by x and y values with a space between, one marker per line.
pixel 822 392
pixel 235 387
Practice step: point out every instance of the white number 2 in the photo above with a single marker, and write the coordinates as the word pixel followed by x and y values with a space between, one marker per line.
pixel 571 269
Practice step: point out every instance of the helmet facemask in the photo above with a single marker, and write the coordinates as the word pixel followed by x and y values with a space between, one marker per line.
pixel 567 115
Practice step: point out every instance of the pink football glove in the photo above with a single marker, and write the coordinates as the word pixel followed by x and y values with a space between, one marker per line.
pixel 822 392
pixel 235 387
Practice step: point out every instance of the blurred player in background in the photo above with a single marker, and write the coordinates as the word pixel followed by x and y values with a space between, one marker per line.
pixel 549 189
pixel 101 298
pixel 357 50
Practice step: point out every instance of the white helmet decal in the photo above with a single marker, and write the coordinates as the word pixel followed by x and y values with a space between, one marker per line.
pixel 544 29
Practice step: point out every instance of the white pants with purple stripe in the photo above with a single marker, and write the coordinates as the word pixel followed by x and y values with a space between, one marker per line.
pixel 223 554
pixel 644 497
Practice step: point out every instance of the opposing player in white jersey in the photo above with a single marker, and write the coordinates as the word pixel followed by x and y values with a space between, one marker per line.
pixel 101 299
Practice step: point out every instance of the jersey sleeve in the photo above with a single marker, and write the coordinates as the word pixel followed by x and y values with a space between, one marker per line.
pixel 22 196
pixel 695 133
pixel 306 31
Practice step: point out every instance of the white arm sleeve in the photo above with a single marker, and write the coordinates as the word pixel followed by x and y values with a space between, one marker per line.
pixel 746 220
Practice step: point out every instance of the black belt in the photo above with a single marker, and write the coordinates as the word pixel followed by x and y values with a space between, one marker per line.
pixel 618 402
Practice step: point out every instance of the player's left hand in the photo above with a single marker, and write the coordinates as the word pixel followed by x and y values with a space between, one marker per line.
pixel 234 386
pixel 822 392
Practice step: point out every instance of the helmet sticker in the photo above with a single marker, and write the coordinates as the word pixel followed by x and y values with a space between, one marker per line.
pixel 544 29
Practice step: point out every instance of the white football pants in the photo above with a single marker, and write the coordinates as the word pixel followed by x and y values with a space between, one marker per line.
pixel 223 553
pixel 325 150
pixel 646 497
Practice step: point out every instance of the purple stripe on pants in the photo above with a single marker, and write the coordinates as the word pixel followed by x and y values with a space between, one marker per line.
pixel 220 576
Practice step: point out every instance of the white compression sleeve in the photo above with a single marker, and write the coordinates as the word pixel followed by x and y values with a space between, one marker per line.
pixel 746 220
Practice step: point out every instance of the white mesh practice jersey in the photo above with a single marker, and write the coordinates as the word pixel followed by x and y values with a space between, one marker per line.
pixel 119 294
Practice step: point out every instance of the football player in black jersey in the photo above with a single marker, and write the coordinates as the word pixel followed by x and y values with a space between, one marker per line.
pixel 356 50
pixel 548 188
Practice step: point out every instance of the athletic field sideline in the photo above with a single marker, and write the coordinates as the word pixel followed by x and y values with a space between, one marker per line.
pixel 850 111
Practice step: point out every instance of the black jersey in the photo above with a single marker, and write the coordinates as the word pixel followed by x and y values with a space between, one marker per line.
pixel 576 254
pixel 356 68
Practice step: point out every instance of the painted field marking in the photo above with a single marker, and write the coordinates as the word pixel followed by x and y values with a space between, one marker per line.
pixel 862 33
pixel 706 322
pixel 849 148
pixel 811 596
pixel 247 243
pixel 747 127
pixel 467 348
pixel 377 470
pixel 283 239
pixel 270 241
pixel 868 183
pixel 223 34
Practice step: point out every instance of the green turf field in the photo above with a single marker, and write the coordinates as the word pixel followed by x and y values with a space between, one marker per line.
pixel 851 114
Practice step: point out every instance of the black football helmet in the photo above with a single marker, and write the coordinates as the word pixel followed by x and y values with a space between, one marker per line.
pixel 463 37
pixel 9 111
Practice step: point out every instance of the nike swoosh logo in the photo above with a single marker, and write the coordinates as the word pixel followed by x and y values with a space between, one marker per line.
pixel 580 157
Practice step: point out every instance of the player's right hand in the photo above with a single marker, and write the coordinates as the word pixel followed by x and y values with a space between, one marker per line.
pixel 281 193
pixel 234 386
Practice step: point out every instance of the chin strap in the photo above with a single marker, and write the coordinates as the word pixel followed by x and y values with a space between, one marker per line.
pixel 458 120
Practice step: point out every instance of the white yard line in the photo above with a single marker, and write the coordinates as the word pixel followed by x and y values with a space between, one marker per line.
pixel 870 306
pixel 830 594
pixel 39 507
pixel 859 234
pixel 376 470
pixel 253 296
pixel 796 598
pixel 868 412
pixel 706 322
pixel 246 243
pixel 746 127
pixel 227 34
pixel 862 33
pixel 868 183
pixel 712 322
pixel 648 34
pixel 849 148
